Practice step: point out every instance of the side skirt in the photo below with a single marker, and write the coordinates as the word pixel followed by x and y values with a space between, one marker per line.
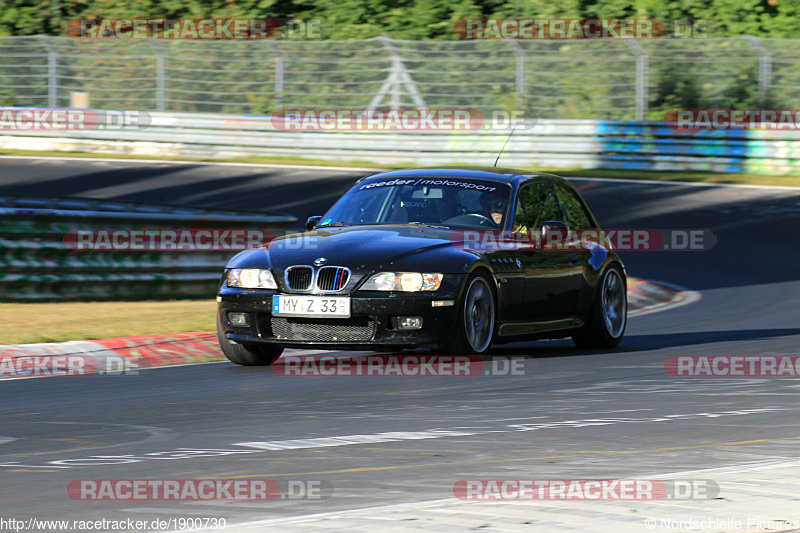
pixel 527 328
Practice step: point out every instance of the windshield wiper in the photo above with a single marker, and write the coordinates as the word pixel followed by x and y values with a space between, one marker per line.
pixel 427 225
pixel 334 224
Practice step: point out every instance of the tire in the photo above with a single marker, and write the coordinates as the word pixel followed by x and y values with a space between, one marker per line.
pixel 608 315
pixel 476 318
pixel 249 355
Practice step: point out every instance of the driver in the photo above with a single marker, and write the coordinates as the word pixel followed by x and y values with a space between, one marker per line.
pixel 494 207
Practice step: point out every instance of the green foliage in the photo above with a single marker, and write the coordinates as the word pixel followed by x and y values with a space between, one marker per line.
pixel 7 98
pixel 411 19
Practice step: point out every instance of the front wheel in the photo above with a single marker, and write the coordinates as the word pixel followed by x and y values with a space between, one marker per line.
pixel 609 313
pixel 476 318
pixel 250 355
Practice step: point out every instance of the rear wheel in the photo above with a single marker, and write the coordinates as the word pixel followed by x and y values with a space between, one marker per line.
pixel 476 318
pixel 247 355
pixel 609 313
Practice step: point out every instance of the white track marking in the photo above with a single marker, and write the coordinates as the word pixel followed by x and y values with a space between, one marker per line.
pixel 346 440
pixel 454 501
pixel 261 447
pixel 732 469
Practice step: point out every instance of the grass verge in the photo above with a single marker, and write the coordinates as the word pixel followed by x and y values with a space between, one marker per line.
pixel 25 323
pixel 655 175
pixel 253 159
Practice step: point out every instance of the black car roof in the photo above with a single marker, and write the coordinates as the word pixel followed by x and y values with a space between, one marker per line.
pixel 499 174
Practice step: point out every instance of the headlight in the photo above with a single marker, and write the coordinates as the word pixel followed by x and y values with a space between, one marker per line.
pixel 251 278
pixel 403 281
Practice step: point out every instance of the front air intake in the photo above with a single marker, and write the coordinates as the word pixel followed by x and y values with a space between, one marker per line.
pixel 299 278
pixel 332 278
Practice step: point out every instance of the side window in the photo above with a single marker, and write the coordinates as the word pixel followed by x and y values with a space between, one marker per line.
pixel 520 224
pixel 574 212
pixel 540 204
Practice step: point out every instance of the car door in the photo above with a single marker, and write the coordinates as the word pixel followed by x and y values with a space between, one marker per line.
pixel 506 264
pixel 577 218
pixel 552 275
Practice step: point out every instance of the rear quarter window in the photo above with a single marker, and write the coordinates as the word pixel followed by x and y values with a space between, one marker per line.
pixel 575 214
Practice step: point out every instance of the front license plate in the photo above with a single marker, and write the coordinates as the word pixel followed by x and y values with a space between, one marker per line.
pixel 310 306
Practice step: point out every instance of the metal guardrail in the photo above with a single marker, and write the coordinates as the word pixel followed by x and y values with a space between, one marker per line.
pixel 548 143
pixel 37 264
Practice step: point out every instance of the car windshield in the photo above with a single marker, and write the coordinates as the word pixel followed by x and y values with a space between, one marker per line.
pixel 453 202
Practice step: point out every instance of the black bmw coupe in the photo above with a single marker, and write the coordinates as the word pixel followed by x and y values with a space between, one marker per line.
pixel 452 259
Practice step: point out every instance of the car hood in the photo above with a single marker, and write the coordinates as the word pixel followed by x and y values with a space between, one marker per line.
pixel 360 248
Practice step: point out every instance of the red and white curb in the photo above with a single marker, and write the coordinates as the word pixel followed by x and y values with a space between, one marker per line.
pixel 126 355
pixel 646 297
pixel 113 356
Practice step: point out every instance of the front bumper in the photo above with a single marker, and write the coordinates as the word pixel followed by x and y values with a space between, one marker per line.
pixel 369 327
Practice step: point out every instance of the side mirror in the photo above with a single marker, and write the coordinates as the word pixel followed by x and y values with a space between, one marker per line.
pixel 312 221
pixel 553 232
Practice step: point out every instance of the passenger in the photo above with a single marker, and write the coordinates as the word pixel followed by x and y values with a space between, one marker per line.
pixel 494 207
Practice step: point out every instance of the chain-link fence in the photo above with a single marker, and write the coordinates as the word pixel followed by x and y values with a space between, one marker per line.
pixel 589 79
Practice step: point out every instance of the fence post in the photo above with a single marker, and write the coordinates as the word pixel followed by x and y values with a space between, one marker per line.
pixel 642 90
pixel 764 69
pixel 279 74
pixel 520 74
pixel 161 75
pixel 52 71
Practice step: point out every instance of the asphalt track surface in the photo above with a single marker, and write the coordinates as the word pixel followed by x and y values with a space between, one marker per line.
pixel 573 414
